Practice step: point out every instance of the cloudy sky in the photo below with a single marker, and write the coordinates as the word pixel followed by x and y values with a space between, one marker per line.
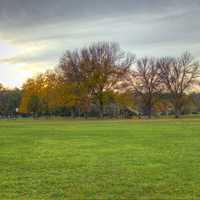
pixel 35 33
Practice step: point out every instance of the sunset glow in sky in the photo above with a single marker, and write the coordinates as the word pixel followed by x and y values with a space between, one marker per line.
pixel 34 34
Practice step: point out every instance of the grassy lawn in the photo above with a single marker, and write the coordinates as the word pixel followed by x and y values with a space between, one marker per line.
pixel 57 160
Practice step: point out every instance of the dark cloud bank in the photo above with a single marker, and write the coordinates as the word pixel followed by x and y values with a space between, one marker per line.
pixel 152 27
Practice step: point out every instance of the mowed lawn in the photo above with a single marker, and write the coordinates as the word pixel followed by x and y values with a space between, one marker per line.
pixel 111 160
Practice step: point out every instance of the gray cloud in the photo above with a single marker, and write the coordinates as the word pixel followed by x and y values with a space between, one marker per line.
pixel 26 13
pixel 144 27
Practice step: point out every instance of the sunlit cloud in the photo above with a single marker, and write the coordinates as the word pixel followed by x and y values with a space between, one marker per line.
pixel 13 75
pixel 19 62
pixel 7 50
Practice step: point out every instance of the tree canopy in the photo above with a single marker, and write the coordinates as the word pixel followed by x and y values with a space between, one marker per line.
pixel 103 80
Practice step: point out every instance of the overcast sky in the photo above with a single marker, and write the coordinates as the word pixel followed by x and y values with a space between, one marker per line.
pixel 35 33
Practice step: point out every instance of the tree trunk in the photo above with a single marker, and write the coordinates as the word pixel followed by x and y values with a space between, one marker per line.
pixel 149 108
pixel 177 113
pixel 79 112
pixel 73 112
pixel 101 106
pixel 101 112
pixel 149 112
pixel 178 105
pixel 86 115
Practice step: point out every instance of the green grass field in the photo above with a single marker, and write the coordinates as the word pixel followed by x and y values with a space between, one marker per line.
pixel 111 160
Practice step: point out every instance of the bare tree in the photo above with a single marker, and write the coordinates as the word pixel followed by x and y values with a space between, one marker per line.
pixel 179 75
pixel 105 64
pixel 70 66
pixel 145 82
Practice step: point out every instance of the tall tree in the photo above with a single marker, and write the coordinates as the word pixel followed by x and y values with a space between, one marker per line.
pixel 179 75
pixel 9 101
pixel 71 69
pixel 145 82
pixel 105 64
pixel 33 100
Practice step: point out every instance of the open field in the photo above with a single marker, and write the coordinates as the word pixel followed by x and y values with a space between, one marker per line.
pixel 57 160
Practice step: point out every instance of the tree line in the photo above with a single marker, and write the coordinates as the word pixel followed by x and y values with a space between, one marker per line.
pixel 102 80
